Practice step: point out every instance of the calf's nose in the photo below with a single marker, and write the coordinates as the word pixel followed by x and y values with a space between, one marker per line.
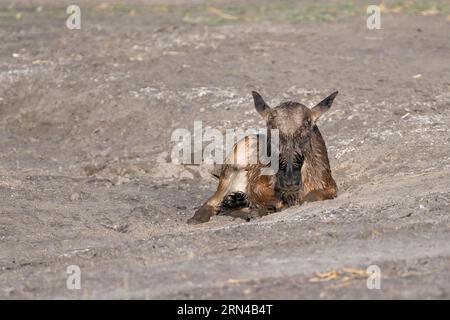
pixel 289 175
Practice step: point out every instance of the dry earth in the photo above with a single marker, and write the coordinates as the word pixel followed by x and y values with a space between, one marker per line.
pixel 86 118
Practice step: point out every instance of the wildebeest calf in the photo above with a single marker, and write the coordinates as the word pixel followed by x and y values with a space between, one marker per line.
pixel 304 173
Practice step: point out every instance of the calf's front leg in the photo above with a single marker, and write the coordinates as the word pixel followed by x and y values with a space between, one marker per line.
pixel 212 206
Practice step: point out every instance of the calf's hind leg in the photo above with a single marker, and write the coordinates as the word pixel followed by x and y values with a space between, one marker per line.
pixel 319 195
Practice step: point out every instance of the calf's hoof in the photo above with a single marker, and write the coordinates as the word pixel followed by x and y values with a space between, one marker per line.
pixel 202 215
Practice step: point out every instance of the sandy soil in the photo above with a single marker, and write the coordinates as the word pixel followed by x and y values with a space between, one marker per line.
pixel 86 118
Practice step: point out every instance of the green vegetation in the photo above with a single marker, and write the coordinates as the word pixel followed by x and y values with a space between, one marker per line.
pixel 223 12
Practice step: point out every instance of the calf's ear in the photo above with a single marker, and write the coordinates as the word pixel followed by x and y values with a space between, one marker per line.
pixel 260 105
pixel 323 106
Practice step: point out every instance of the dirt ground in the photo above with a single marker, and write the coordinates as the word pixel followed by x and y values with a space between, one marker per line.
pixel 86 118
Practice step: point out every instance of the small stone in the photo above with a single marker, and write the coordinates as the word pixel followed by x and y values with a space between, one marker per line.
pixel 75 196
pixel 119 180
pixel 186 175
pixel 92 169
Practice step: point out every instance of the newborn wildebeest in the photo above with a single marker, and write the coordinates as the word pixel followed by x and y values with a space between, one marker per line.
pixel 304 173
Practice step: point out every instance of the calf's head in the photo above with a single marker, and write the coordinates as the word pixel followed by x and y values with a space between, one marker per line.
pixel 295 123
